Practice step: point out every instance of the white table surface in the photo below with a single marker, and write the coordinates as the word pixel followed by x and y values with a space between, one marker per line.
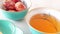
pixel 35 3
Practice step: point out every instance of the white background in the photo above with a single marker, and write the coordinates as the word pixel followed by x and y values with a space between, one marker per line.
pixel 35 3
pixel 46 3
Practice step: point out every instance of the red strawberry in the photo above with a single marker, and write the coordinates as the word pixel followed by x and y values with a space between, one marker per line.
pixel 13 0
pixel 20 6
pixel 9 5
pixel 16 0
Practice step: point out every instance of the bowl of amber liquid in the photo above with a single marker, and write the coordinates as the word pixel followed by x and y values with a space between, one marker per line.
pixel 44 21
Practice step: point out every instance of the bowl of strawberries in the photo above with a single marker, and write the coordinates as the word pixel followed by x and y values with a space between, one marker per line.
pixel 15 9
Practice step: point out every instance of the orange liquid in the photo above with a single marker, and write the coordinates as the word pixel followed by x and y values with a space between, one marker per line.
pixel 45 23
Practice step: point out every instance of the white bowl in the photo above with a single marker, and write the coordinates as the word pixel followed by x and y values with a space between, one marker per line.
pixel 42 10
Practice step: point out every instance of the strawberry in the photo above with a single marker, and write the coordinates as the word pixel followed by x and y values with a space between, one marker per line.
pixel 13 0
pixel 20 6
pixel 9 5
pixel 16 0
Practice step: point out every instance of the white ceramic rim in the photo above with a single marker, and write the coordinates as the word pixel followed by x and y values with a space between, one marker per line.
pixel 39 8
